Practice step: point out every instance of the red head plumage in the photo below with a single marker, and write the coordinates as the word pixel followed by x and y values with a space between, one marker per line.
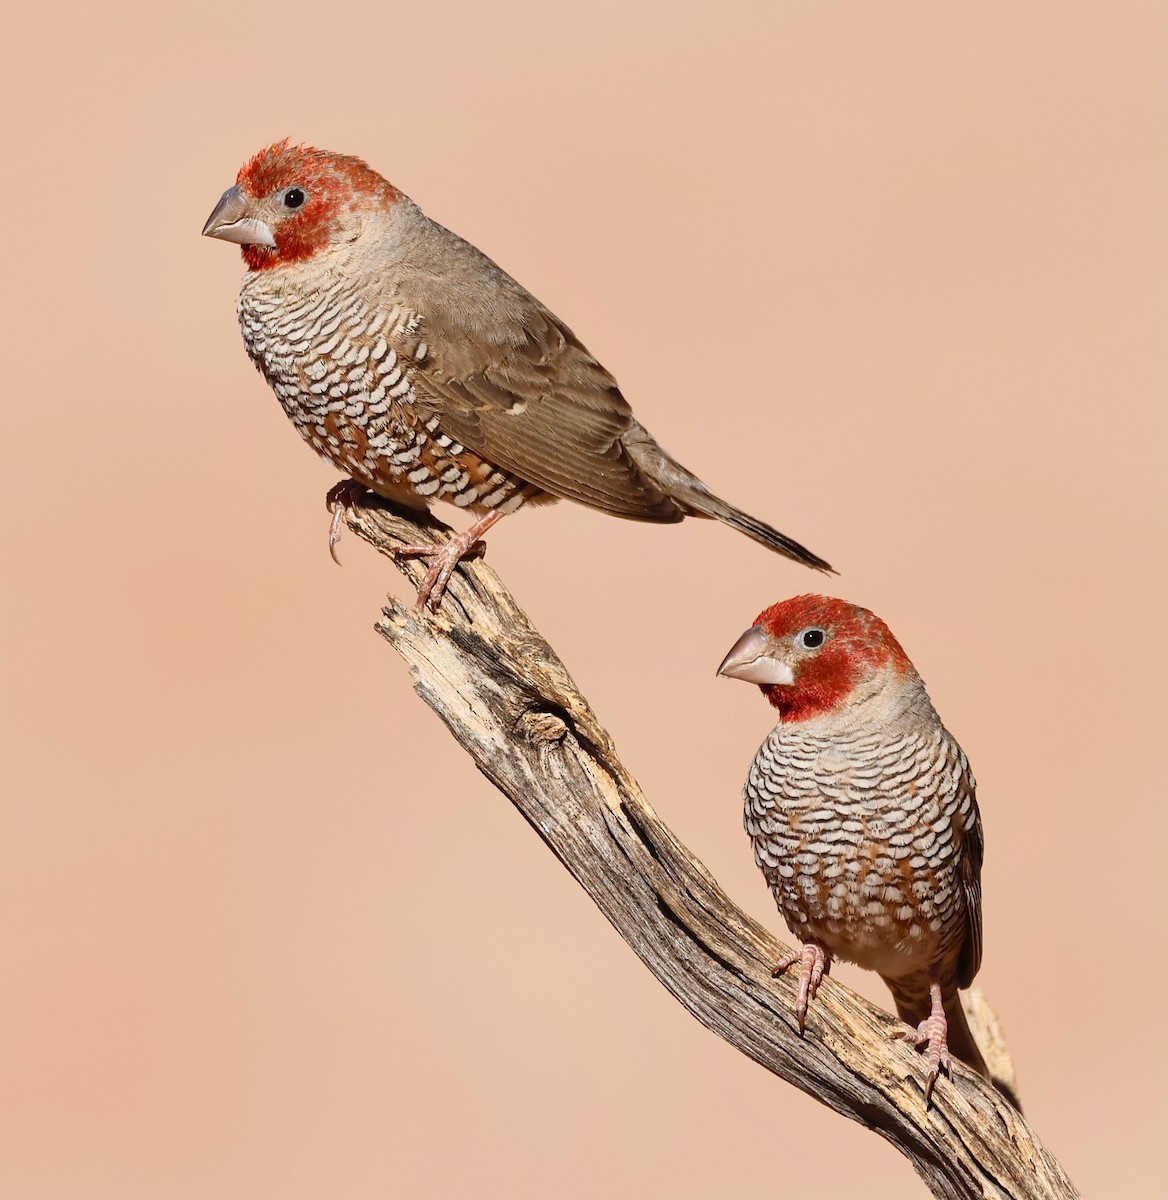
pixel 830 647
pixel 303 194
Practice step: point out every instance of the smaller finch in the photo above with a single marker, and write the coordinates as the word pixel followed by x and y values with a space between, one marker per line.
pixel 860 806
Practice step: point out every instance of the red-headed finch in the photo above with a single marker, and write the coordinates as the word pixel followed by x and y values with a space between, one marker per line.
pixel 861 809
pixel 423 372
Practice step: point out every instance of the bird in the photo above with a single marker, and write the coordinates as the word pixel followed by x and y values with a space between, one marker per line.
pixel 862 811
pixel 422 371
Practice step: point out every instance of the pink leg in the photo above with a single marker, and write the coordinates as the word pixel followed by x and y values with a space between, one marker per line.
pixel 932 1036
pixel 338 500
pixel 445 557
pixel 816 963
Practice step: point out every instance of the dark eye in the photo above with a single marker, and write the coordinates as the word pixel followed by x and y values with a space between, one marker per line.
pixel 810 639
pixel 294 198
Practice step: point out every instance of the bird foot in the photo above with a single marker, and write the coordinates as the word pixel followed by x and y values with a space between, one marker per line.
pixel 443 558
pixel 815 964
pixel 338 500
pixel 932 1036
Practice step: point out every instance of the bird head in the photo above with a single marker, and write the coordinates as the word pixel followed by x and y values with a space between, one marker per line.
pixel 809 654
pixel 290 203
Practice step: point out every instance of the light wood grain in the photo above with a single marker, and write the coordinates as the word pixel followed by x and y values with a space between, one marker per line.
pixel 510 703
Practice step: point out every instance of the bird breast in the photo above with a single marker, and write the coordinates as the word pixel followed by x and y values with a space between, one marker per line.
pixel 858 836
pixel 346 368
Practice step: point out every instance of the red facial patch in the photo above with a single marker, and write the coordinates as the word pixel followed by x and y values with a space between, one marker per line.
pixel 856 641
pixel 332 183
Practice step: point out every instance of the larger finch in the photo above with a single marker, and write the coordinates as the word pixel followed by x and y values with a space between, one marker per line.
pixel 423 372
pixel 861 808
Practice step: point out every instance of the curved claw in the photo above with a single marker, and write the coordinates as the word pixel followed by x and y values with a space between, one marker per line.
pixel 815 963
pixel 932 1036
pixel 338 500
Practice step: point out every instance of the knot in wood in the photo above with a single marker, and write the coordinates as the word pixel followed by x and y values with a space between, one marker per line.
pixel 541 727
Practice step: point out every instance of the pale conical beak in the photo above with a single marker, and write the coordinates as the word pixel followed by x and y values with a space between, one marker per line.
pixel 231 223
pixel 748 660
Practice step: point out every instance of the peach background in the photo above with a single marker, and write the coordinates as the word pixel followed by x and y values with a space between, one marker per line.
pixel 891 276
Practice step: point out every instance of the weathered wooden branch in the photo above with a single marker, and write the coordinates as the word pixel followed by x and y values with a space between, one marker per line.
pixel 511 704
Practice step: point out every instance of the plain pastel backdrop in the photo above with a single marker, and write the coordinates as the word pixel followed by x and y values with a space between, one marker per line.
pixel 891 276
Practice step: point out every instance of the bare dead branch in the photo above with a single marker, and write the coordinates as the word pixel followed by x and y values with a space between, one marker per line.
pixel 511 704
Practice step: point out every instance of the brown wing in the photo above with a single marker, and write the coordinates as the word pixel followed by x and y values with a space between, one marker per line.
pixel 971 849
pixel 540 406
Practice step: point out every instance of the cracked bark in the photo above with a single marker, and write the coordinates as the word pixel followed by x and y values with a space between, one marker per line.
pixel 510 703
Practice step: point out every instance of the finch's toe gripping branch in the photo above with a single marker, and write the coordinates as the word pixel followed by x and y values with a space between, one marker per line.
pixel 442 557
pixel 445 557
pixel 338 500
pixel 815 964
pixel 932 1036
